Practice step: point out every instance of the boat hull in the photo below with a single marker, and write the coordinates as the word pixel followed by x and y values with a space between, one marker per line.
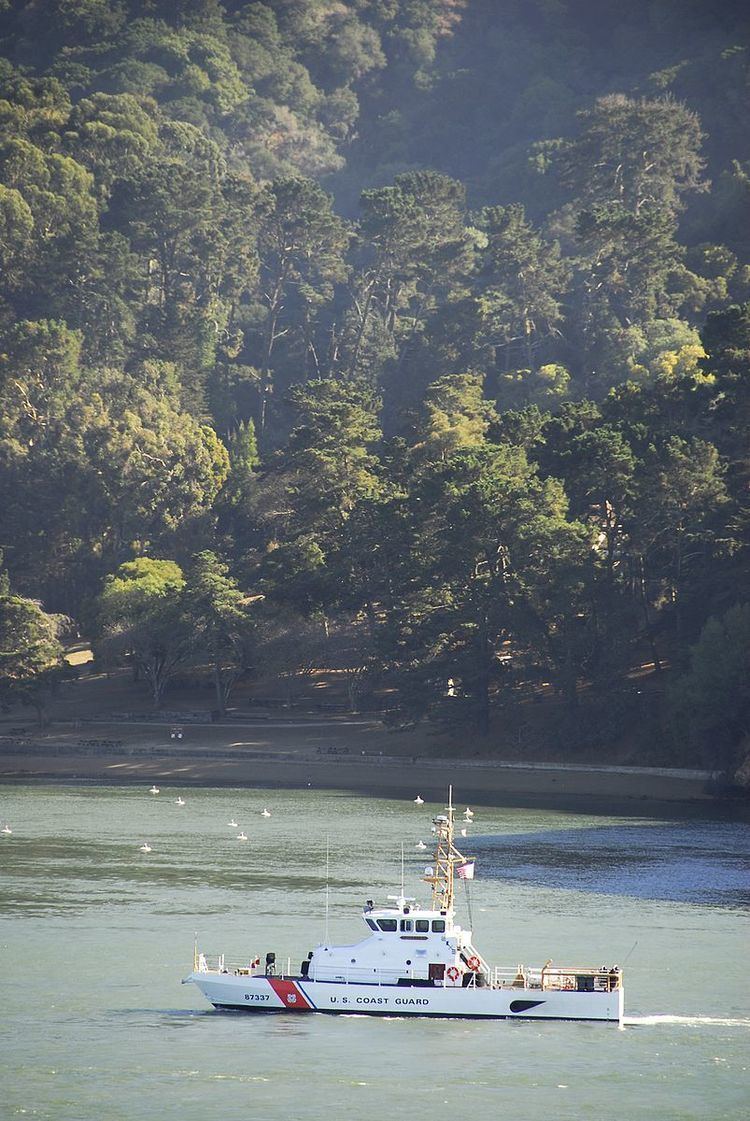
pixel 286 994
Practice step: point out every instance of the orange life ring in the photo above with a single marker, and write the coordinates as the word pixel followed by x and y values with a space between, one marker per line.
pixel 474 963
pixel 452 973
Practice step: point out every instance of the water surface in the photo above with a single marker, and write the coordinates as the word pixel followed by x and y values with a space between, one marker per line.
pixel 95 937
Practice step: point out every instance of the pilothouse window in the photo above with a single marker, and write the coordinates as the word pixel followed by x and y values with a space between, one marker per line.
pixel 387 924
pixel 405 924
pixel 422 926
pixel 438 925
pixel 372 924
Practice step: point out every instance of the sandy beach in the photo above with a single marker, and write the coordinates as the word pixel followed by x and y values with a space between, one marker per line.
pixel 346 753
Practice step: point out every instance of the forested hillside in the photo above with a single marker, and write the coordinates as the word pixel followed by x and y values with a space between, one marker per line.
pixel 408 337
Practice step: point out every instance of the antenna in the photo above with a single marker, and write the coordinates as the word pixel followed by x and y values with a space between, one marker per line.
pixel 625 959
pixel 328 890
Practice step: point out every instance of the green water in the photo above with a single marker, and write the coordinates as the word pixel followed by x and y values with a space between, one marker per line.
pixel 95 937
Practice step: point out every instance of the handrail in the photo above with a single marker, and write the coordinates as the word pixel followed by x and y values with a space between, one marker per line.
pixel 548 978
pixel 351 975
pixel 555 978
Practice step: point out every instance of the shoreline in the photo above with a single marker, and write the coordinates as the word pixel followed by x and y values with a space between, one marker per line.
pixel 491 782
pixel 347 752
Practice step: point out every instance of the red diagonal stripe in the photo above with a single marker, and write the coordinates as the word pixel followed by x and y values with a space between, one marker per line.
pixel 290 994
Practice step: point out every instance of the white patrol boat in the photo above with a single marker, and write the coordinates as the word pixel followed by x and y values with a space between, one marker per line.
pixel 414 961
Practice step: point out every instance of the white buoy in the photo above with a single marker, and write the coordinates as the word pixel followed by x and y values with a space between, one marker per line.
pixel 242 836
pixel 421 846
pixel 468 814
pixel 419 800
pixel 179 801
pixel 154 790
pixel 145 847
pixel 265 812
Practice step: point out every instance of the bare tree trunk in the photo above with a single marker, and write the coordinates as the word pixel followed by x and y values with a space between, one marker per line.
pixel 483 681
pixel 274 310
pixel 157 681
pixel 363 320
pixel 39 709
pixel 218 685
pixel 677 585
pixel 646 616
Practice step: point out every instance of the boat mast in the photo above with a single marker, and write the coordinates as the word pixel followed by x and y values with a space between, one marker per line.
pixel 446 857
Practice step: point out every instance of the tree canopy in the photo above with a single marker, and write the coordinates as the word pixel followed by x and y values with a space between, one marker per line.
pixel 422 324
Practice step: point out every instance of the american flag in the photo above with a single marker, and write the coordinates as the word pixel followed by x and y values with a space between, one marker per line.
pixel 465 871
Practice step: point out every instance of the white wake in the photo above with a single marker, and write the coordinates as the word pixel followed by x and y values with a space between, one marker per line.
pixel 686 1021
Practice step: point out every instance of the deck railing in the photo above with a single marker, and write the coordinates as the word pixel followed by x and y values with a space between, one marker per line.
pixel 552 978
pixel 351 975
pixel 549 978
